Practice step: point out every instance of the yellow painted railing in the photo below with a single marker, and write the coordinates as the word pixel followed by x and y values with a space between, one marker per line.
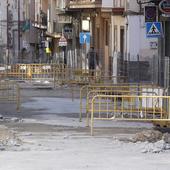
pixel 132 108
pixel 10 93
pixel 131 92
pixel 117 89
pixel 84 76
pixel 57 73
pixel 27 72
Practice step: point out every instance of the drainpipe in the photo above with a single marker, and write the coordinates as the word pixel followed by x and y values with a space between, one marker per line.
pixel 7 47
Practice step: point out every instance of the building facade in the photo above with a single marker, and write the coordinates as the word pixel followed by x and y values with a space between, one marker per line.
pixel 11 17
pixel 94 17
pixel 49 31
pixel 130 46
pixel 34 34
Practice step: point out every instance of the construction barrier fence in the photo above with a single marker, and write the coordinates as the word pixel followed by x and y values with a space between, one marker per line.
pixel 56 73
pixel 10 93
pixel 87 92
pixel 27 72
pixel 131 108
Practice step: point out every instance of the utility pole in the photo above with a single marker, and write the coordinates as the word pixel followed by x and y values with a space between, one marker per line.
pixel 19 32
pixel 7 46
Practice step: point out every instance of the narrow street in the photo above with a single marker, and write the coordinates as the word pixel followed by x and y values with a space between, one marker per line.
pixel 84 85
pixel 47 135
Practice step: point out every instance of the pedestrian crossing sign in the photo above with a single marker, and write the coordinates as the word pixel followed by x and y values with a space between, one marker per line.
pixel 153 29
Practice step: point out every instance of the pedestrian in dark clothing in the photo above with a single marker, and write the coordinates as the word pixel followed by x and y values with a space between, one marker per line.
pixel 92 59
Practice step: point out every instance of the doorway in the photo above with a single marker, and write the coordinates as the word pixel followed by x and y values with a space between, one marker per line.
pixel 122 42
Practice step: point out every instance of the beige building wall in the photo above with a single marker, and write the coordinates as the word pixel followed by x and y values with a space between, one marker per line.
pixel 44 5
pixel 118 22
pixel 40 5
pixel 102 38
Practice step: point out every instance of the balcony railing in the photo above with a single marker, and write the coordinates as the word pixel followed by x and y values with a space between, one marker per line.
pixel 85 3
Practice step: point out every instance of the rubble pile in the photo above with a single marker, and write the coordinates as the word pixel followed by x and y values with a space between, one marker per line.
pixel 8 139
pixel 157 147
pixel 148 136
pixel 153 141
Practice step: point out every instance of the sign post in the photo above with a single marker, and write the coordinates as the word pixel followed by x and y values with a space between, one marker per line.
pixel 63 44
pixel 84 40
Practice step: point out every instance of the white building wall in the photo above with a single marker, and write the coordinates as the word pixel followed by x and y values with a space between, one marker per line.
pixel 132 5
pixel 3 23
pixel 137 43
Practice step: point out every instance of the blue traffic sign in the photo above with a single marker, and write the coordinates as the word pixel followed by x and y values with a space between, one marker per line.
pixel 153 29
pixel 85 38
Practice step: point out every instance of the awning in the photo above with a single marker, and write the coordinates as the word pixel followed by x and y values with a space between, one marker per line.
pixel 53 35
pixel 39 26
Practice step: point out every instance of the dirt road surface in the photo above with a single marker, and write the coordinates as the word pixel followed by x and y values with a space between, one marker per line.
pixel 46 135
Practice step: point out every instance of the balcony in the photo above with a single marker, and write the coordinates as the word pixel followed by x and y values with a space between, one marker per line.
pixel 118 7
pixel 118 11
pixel 81 4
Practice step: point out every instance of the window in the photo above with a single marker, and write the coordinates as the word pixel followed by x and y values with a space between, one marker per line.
pixel 61 4
pixel 107 33
pixel 119 3
pixel 115 37
pixel 54 26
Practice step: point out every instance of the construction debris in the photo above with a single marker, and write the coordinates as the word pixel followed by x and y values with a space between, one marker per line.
pixel 8 139
pixel 151 136
pixel 166 138
pixel 151 141
pixel 157 147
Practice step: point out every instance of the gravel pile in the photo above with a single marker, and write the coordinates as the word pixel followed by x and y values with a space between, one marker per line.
pixel 157 147
pixel 153 141
pixel 148 136
pixel 8 139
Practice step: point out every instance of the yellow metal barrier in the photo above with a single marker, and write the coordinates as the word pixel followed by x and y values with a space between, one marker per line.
pixel 30 71
pixel 131 92
pixel 2 72
pixel 66 75
pixel 59 74
pixel 10 93
pixel 132 108
pixel 115 89
pixel 26 71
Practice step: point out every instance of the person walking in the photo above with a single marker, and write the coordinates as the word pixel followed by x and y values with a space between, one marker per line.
pixel 92 59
